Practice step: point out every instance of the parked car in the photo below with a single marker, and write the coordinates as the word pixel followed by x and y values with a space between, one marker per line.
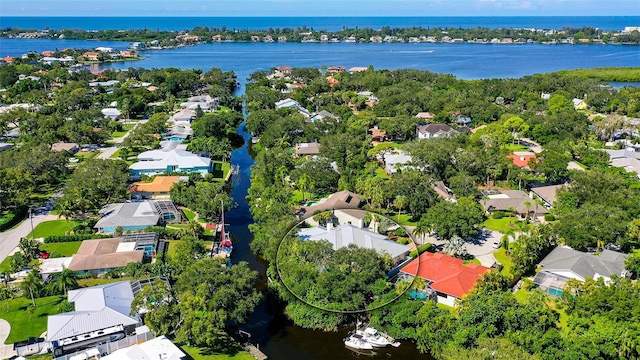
pixel 496 245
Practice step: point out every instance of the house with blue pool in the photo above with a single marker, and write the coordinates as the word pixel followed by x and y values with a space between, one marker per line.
pixel 136 215
pixel 155 162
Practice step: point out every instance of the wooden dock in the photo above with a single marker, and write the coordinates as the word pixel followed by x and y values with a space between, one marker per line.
pixel 255 352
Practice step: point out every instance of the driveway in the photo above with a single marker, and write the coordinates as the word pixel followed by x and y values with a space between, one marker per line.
pixel 9 239
pixel 481 247
pixel 6 351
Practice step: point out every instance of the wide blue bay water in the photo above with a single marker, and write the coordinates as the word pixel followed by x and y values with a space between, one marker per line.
pixel 319 23
pixel 468 61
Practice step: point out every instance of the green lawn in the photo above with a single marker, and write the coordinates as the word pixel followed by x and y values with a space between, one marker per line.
pixel 53 227
pixel 125 129
pixel 501 256
pixel 197 354
pixel 189 214
pixel 23 324
pixel 446 307
pixel 171 247
pixel 472 261
pixel 522 296
pixel 5 265
pixel 6 216
pixel 220 170
pixel 65 249
pixel 297 196
pixel 115 155
pixel 515 147
pixel 503 225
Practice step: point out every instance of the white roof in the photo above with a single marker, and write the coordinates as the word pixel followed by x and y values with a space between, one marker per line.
pixel 97 307
pixel 154 349
pixel 160 160
pixel 287 103
pixel 54 265
pixel 111 112
pixel 576 101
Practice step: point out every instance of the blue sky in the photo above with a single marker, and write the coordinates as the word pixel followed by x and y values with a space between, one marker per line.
pixel 319 8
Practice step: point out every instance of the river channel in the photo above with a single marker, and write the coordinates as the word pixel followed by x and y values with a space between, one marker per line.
pixel 269 327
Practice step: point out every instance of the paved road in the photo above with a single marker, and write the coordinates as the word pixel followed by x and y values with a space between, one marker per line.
pixel 107 152
pixel 6 351
pixel 9 239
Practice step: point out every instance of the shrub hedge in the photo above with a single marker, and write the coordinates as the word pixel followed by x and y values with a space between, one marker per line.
pixel 72 238
pixel 421 249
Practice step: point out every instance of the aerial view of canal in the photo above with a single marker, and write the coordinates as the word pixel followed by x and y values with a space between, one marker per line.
pixel 269 328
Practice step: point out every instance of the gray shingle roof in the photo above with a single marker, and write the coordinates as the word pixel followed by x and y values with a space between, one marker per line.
pixel 584 265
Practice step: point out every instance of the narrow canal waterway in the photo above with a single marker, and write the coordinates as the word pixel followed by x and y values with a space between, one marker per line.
pixel 269 327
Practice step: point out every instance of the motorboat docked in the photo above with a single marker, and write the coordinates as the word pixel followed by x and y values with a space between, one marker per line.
pixel 373 337
pixel 356 341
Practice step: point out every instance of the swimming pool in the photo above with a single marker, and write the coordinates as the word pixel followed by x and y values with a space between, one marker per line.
pixel 554 292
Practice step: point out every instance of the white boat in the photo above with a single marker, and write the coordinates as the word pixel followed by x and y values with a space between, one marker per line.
pixel 356 341
pixel 373 337
pixel 225 247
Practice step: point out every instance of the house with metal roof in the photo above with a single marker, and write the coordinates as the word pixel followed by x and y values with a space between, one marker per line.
pixel 105 308
pixel 347 234
pixel 290 103
pixel 564 263
pixel 307 149
pixel 446 275
pixel 155 162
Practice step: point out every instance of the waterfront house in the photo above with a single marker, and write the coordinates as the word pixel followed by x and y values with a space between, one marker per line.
pixel 357 69
pixel 99 256
pixel 292 104
pixel 104 49
pixel 105 308
pixel 155 162
pixel 91 56
pixel 157 189
pixel 347 234
pixel 564 263
pixel 446 275
pixel 157 348
pixel 131 216
pixel 217 38
pixel 430 131
pixel 344 199
pixel 336 69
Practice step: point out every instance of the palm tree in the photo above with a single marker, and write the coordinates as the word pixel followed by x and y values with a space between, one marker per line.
pixel 66 279
pixel 29 247
pixel 400 202
pixel 302 184
pixel 31 285
pixel 512 211
pixel 455 246
pixel 421 229
pixel 527 205
pixel 65 209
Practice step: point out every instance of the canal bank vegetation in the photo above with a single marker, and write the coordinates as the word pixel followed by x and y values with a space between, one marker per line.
pixel 351 114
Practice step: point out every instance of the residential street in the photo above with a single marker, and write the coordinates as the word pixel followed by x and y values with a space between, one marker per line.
pixel 9 239
pixel 6 351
